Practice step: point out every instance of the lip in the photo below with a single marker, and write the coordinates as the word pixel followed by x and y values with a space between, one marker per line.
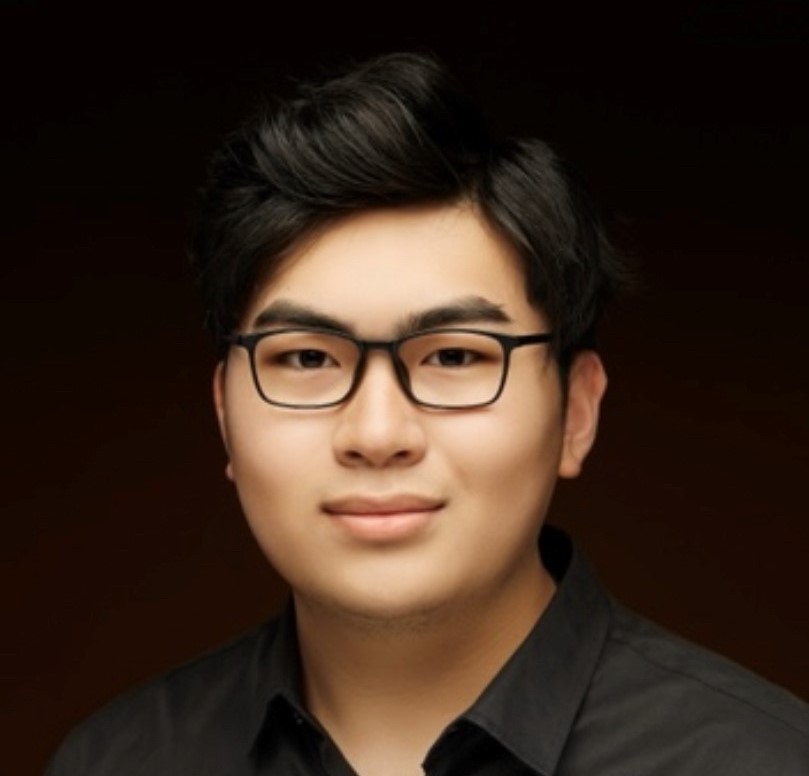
pixel 383 519
pixel 381 506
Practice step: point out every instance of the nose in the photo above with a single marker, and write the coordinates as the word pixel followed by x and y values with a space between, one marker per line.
pixel 379 426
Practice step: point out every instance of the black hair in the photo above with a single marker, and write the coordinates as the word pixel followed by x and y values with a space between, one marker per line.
pixel 396 131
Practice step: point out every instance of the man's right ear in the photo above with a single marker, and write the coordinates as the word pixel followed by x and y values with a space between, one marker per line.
pixel 221 414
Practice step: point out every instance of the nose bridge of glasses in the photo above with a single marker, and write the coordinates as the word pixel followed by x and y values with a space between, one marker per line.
pixel 391 347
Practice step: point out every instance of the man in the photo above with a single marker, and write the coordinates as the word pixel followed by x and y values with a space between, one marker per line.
pixel 406 313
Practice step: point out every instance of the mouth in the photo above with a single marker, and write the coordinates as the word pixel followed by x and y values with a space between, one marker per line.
pixel 383 519
pixel 370 506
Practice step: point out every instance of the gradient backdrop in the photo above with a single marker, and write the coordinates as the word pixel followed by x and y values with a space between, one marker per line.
pixel 123 548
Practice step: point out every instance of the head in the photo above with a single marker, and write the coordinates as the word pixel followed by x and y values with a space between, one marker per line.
pixel 368 202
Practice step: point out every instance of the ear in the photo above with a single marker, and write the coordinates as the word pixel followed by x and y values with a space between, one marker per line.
pixel 586 384
pixel 219 406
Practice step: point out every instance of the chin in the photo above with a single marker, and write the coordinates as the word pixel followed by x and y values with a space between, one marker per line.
pixel 383 612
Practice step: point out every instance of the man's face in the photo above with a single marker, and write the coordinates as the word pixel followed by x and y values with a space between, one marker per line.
pixel 379 508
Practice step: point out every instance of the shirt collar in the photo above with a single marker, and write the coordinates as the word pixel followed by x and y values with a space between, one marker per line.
pixel 276 674
pixel 530 706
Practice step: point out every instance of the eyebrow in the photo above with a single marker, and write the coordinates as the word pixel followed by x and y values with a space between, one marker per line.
pixel 283 312
pixel 466 310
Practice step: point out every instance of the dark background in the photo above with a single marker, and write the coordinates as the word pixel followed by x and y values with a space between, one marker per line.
pixel 123 546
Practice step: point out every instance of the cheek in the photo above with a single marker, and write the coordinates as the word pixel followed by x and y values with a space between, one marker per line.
pixel 266 444
pixel 278 477
pixel 275 458
pixel 509 454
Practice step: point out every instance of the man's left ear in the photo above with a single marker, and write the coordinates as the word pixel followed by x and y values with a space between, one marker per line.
pixel 586 384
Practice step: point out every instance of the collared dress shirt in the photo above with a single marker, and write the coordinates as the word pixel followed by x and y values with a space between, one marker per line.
pixel 594 690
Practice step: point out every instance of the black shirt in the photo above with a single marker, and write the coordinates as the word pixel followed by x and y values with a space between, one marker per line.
pixel 594 690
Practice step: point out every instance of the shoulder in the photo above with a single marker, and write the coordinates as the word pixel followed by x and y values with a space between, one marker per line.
pixel 696 711
pixel 709 676
pixel 157 727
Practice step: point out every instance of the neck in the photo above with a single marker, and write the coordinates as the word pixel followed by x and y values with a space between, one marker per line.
pixel 399 683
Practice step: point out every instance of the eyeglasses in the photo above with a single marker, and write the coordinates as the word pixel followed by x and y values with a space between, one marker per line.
pixel 442 368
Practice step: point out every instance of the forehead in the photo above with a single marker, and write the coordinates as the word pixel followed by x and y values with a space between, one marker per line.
pixel 376 266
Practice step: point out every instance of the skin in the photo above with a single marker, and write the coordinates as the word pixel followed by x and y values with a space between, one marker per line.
pixel 402 624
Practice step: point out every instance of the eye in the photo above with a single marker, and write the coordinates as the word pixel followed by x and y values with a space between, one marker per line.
pixel 306 359
pixel 453 357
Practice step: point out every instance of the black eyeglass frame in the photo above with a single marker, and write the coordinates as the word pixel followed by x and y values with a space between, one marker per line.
pixel 508 343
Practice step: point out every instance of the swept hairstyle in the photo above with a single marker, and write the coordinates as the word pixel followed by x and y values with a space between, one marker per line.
pixel 395 131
